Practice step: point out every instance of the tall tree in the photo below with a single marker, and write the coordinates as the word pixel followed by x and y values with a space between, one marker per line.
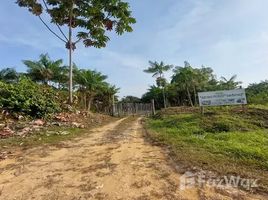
pixel 90 83
pixel 91 18
pixel 105 98
pixel 44 70
pixel 184 77
pixel 192 80
pixel 228 84
pixel 158 70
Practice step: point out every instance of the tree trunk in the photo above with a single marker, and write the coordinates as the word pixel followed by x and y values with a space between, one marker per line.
pixel 189 97
pixel 89 103
pixel 113 104
pixel 195 96
pixel 164 97
pixel 70 59
pixel 85 101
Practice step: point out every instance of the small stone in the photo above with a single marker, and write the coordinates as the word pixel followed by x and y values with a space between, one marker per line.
pixel 76 125
pixel 48 133
pixel 82 126
pixel 38 122
pixel 56 124
pixel 6 132
pixel 64 133
pixel 24 131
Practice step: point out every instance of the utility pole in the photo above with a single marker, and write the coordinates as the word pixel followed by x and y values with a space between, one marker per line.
pixel 70 58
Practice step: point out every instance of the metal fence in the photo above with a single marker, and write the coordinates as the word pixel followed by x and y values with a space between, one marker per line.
pixel 125 109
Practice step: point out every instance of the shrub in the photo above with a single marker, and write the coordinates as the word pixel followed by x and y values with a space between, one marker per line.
pixel 29 98
pixel 257 93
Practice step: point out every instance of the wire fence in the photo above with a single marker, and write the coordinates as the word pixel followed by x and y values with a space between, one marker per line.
pixel 126 109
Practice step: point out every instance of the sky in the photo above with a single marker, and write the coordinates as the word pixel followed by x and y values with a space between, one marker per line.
pixel 230 36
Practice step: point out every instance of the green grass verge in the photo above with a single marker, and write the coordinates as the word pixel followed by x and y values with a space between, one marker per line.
pixel 223 140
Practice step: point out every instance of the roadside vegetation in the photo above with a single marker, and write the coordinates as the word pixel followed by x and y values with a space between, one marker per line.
pixel 43 89
pixel 226 140
pixel 87 22
pixel 34 105
pixel 36 100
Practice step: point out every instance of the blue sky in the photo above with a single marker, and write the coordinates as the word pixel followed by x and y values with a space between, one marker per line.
pixel 231 36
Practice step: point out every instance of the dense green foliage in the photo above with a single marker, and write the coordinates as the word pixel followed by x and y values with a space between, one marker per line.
pixel 43 89
pixel 92 18
pixel 257 93
pixel 47 71
pixel 29 98
pixel 185 83
pixel 130 99
pixel 92 83
pixel 9 75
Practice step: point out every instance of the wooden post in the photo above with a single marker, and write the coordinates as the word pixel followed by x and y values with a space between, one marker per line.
pixel 243 107
pixel 118 110
pixel 153 107
pixel 113 111
pixel 202 110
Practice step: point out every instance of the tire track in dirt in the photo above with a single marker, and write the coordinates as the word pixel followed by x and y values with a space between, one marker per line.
pixel 112 162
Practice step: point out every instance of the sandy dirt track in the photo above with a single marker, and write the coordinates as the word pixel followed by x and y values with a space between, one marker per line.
pixel 112 162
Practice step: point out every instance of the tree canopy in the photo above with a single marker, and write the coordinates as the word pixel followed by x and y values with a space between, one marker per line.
pixel 185 83
pixel 92 18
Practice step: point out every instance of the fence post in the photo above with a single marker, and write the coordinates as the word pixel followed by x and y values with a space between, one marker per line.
pixel 113 109
pixel 153 107
pixel 202 110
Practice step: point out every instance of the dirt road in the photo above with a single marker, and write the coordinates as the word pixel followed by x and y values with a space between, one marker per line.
pixel 112 162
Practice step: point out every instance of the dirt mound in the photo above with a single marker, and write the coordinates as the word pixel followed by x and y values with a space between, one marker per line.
pixel 22 126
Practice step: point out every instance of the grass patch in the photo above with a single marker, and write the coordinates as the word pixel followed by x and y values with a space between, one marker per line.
pixel 224 140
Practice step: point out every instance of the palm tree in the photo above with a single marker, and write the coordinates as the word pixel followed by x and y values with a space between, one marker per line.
pixel 90 83
pixel 9 75
pixel 158 69
pixel 44 70
pixel 60 76
pixel 229 84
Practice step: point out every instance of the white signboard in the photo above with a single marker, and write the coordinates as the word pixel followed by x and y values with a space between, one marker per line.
pixel 224 97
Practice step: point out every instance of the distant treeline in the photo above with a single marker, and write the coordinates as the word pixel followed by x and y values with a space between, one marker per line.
pixel 187 81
